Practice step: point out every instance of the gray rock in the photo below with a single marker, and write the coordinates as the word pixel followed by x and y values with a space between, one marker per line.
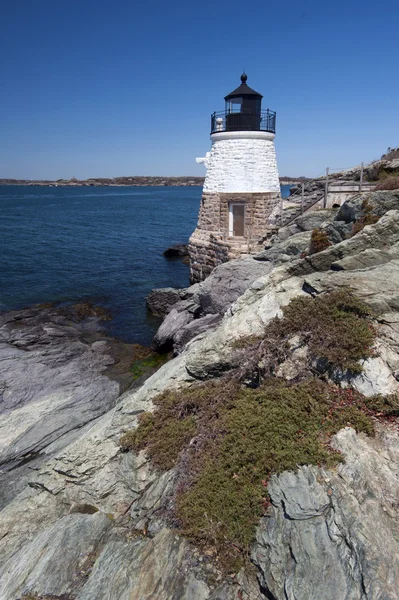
pixel 284 250
pixel 155 568
pixel 53 384
pixel 227 282
pixel 213 296
pixel 368 258
pixel 54 562
pixel 337 231
pixel 381 202
pixel 173 322
pixel 161 300
pixel 306 222
pixel 380 236
pixel 196 327
pixel 321 539
pixel 378 286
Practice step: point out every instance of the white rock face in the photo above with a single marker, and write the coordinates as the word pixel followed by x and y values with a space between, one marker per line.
pixel 243 161
pixel 333 534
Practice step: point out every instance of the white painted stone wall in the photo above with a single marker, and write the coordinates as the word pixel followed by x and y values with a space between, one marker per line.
pixel 242 161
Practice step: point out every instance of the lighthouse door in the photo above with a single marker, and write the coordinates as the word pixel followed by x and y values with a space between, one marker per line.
pixel 237 220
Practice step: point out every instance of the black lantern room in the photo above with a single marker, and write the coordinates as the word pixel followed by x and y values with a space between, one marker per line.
pixel 243 112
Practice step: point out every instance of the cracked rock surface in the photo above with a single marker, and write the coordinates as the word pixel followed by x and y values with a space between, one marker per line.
pixel 335 534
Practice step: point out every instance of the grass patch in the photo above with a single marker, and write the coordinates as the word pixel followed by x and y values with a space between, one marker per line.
pixel 385 406
pixel 336 327
pixel 162 436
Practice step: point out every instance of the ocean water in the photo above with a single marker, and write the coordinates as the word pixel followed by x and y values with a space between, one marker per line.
pixel 100 244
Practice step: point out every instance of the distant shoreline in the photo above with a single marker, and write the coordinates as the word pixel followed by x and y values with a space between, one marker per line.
pixel 139 181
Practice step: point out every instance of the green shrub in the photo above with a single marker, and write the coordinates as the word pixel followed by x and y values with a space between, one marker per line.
pixel 236 439
pixel 319 241
pixel 386 406
pixel 163 440
pixel 336 327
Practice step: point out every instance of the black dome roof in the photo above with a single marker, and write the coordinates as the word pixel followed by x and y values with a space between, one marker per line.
pixel 242 90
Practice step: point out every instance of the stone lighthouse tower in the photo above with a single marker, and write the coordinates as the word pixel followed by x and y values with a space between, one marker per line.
pixel 241 186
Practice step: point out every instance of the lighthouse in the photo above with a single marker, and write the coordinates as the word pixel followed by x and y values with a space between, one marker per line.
pixel 241 186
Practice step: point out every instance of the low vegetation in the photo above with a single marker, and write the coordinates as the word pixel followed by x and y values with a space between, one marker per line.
pixel 391 154
pixel 226 439
pixel 367 218
pixel 389 183
pixel 337 329
pixel 319 241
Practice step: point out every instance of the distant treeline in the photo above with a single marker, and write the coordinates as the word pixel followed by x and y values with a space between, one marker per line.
pixel 134 181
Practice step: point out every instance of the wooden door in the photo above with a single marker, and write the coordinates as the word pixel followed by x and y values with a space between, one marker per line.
pixel 238 211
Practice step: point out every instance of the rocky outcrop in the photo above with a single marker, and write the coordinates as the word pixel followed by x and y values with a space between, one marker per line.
pixel 321 539
pixel 378 203
pixel 285 250
pixel 211 297
pixel 53 386
pixel 327 534
pixel 193 329
pixel 306 222
pixel 173 323
pixel 161 300
pixel 227 283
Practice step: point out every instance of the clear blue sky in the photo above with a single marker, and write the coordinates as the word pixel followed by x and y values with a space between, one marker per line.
pixel 101 88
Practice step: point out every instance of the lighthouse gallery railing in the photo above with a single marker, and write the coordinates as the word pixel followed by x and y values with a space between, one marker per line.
pixel 227 120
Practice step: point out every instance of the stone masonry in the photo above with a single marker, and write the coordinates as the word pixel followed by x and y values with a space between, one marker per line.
pixel 210 244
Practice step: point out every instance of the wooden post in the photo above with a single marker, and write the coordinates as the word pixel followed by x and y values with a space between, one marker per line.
pixel 303 197
pixel 281 210
pixel 361 178
pixel 326 188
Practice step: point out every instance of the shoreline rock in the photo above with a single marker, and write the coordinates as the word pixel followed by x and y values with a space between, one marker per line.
pixel 59 372
pixel 177 250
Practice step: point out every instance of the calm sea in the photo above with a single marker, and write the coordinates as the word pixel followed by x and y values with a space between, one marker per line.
pixel 100 244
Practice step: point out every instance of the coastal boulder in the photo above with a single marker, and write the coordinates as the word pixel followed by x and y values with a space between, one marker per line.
pixel 176 250
pixel 161 300
pixel 173 322
pixel 229 281
pixel 306 222
pixel 378 203
pixel 284 250
pixel 191 330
